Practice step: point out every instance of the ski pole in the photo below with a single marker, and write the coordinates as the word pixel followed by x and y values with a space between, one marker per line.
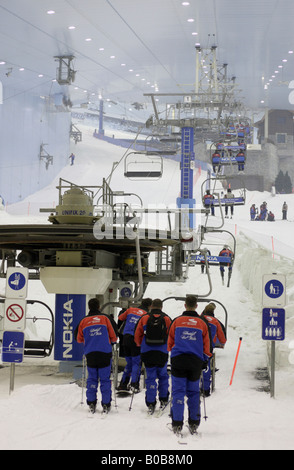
pixel 236 358
pixel 204 404
pixel 83 378
pixel 133 392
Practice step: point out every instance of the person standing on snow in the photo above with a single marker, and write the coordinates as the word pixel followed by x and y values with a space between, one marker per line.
pixel 132 371
pixel 72 158
pixel 284 210
pixel 97 331
pixel 218 339
pixel 189 344
pixel 151 337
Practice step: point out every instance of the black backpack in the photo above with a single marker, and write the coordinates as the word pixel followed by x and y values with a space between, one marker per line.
pixel 156 330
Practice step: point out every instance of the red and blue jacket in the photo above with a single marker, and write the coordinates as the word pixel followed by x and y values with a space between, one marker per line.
pixel 217 333
pixel 188 334
pixel 131 316
pixel 97 333
pixel 152 355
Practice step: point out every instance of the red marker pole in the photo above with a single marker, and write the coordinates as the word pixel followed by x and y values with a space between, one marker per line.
pixel 236 358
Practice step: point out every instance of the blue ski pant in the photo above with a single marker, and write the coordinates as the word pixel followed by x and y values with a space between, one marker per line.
pixel 132 369
pixel 94 375
pixel 152 375
pixel 206 374
pixel 181 387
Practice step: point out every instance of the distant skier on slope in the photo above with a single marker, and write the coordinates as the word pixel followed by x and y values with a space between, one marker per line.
pixel 226 252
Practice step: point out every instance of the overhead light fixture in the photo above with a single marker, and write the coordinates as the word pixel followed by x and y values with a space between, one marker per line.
pixel 71 27
pixel 191 20
pixel 40 75
pixel 284 60
pixel 2 62
pixel 21 69
pixel 185 4
pixel 101 48
pixel 290 52
pixel 194 33
pixel 88 39
pixel 50 12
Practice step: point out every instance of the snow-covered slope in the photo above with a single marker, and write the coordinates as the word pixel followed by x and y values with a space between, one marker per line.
pixel 45 410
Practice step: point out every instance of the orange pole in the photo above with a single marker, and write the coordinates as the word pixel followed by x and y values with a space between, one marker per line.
pixel 236 358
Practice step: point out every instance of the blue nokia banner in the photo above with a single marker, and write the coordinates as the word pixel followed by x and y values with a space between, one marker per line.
pixel 69 311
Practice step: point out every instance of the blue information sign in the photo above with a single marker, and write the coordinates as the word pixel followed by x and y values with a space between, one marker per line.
pixel 274 288
pixel 273 324
pixel 16 281
pixel 12 346
pixel 126 292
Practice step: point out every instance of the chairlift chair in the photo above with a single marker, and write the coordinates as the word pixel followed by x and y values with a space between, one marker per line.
pixel 231 153
pixel 143 166
pixel 218 193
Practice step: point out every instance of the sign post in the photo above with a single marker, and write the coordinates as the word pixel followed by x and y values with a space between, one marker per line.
pixel 12 351
pixel 14 318
pixel 273 316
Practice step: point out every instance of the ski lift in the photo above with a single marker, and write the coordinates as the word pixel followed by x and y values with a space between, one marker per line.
pixel 231 153
pixel 143 166
pixel 222 194
pixel 40 348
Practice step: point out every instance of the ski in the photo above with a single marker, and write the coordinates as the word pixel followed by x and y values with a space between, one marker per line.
pixel 150 412
pixel 161 410
pixel 179 435
pixel 104 412
pixel 193 432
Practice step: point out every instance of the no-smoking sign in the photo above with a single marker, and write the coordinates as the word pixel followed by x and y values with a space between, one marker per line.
pixel 15 314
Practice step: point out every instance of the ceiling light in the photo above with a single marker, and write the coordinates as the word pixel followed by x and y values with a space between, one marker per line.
pixel 123 65
pixel 191 20
pixel 50 12
pixel 290 52
pixel 2 62
pixel 71 27
pixel 40 75
pixel 185 4
pixel 131 70
pixel 21 69
pixel 194 33
pixel 101 48
pixel 284 60
pixel 280 66
pixel 112 57
pixel 88 39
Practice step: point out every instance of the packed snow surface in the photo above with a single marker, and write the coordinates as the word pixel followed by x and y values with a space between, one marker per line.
pixel 47 409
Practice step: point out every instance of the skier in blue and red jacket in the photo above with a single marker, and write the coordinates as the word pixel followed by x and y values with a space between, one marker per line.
pixel 155 356
pixel 189 343
pixel 97 331
pixel 218 339
pixel 132 371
